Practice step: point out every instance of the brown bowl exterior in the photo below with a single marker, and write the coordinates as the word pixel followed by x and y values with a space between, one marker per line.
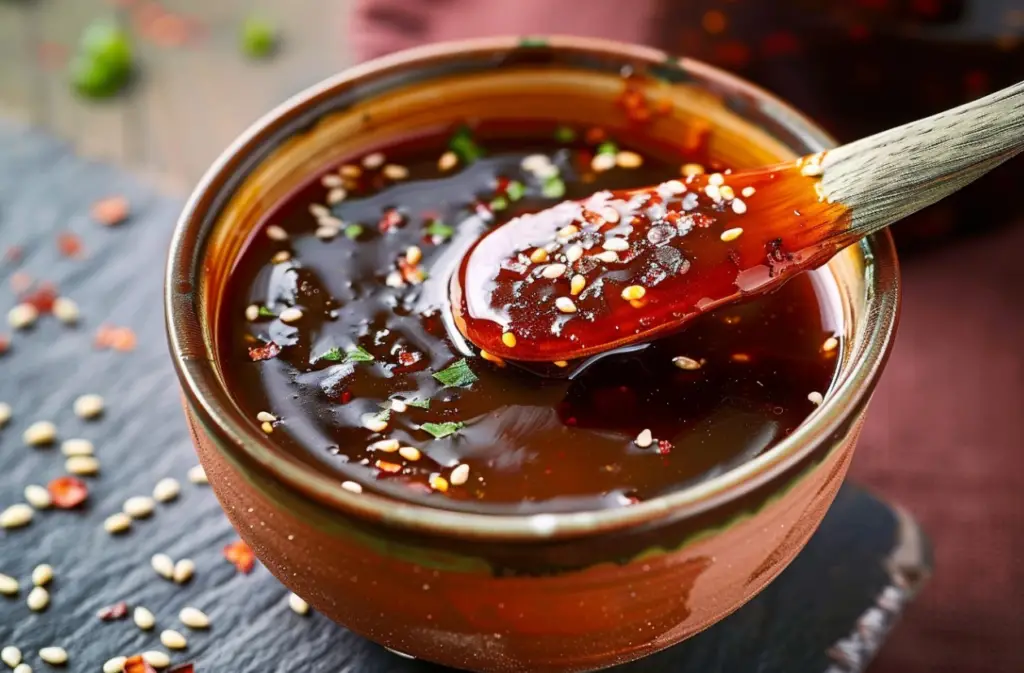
pixel 556 593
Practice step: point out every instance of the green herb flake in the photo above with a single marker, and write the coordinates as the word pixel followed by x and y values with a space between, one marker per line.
pixel 515 190
pixel 565 134
pixel 442 430
pixel 258 37
pixel 421 402
pixel 104 62
pixel 464 146
pixel 607 147
pixel 358 354
pixel 499 203
pixel 554 188
pixel 265 312
pixel 439 229
pixel 384 415
pixel 333 355
pixel 353 231
pixel 457 375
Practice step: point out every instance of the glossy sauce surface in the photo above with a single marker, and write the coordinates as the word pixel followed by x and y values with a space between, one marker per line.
pixel 338 340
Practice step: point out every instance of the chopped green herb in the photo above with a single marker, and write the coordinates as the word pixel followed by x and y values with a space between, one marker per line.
pixel 265 312
pixel 333 355
pixel 565 134
pixel 442 430
pixel 499 203
pixel 421 402
pixel 103 65
pixel 464 146
pixel 259 37
pixel 440 229
pixel 533 42
pixel 384 415
pixel 457 375
pixel 515 190
pixel 554 188
pixel 607 147
pixel 358 354
pixel 353 231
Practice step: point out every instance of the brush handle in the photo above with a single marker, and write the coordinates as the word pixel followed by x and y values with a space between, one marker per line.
pixel 887 176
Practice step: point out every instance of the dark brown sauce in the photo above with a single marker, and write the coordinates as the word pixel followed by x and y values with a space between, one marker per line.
pixel 530 444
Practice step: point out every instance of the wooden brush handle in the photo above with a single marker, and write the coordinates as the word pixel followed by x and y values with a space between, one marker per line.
pixel 887 176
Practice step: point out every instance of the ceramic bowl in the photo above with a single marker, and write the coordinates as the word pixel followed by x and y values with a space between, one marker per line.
pixel 502 594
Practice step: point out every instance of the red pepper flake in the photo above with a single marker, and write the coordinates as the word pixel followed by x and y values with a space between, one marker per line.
pixel 166 29
pixel 20 282
pixel 118 338
pixel 241 556
pixel 391 219
pixel 183 668
pixel 69 244
pixel 385 466
pixel 13 254
pixel 595 135
pixel 51 55
pixel 110 211
pixel 67 492
pixel 266 352
pixel 664 447
pixel 411 273
pixel 137 664
pixel 42 298
pixel 5 343
pixel 409 358
pixel 113 612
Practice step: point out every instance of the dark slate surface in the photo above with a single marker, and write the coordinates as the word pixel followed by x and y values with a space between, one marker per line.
pixel 828 612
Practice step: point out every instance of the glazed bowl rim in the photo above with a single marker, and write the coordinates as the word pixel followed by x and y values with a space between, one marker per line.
pixel 206 396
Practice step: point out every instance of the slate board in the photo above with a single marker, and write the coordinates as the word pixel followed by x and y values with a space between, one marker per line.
pixel 829 611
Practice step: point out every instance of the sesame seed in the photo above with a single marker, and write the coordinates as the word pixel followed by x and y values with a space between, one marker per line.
pixel 460 475
pixel 40 433
pixel 336 195
pixel 747 192
pixel 438 483
pixel 117 523
pixel 815 398
pixel 716 179
pixel 373 161
pixel 291 314
pixel 5 413
pixel 738 206
pixel 194 618
pixel 634 292
pixel 573 253
pixel 42 574
pixel 156 658
pixel 602 162
pixel 66 310
pixel 553 271
pixel 352 486
pixel 490 357
pixel 265 416
pixel 395 172
pixel 82 466
pixel 689 170
pixel 319 210
pixel 398 406
pixel 166 490
pixel 830 344
pixel 713 192
pixel 413 254
pixel 22 668
pixel 565 305
pixel 115 664
pixel 616 244
pixel 627 159
pixel 76 447
pixel 38 599
pixel 394 279
pixel 162 564
pixel 644 439
pixel 88 406
pixel 374 423
pixel 16 516
pixel 197 475
pixel 577 284
pixel 138 506
pixel 143 618
pixel 447 161
pixel 252 312
pixel 183 570
pixel 410 453
pixel 267 427
pixel 811 170
pixel 732 234
pixel 568 231
pixel 685 363
pixel 608 256
pixel 55 656
pixel 276 233
pixel 173 640
pixel 10 655
pixel 326 232
pixel 385 445
pixel 330 221
pixel 560 363
pixel 539 256
pixel 280 257
pixel 331 180
pixel 350 171
pixel 509 339
pixel 8 585
pixel 610 215
pixel 535 163
pixel 727 192
pixel 22 316
pixel 298 606
pixel 38 496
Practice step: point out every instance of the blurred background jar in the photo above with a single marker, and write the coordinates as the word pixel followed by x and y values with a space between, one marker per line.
pixel 861 66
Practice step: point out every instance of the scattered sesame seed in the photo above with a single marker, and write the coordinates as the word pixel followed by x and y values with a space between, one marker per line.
pixel 747 192
pixel 608 256
pixel 374 423
pixel 610 215
pixel 166 490
pixel 55 656
pixel 40 433
pixel 38 496
pixel 115 664
pixel 76 447
pixel 276 233
pixel 66 310
pixel 194 618
pixel 738 206
pixel 689 170
pixel 568 231
pixel 577 284
pixel 509 339
pixel 634 292
pixel 373 161
pixel 252 312
pixel 438 483
pixel 830 344
pixel 330 222
pixel 280 257
pixel 326 232
pixel 331 180
pixel 10 655
pixel 183 570
pixel 448 161
pixel 627 159
pixel 644 439
pixel 385 445
pixel 539 256
pixel 616 244
pixel 815 398
pixel 410 453
pixel 291 314
pixel 716 179
pixel 565 305
pixel 138 506
pixel 336 195
pixel 197 475
pixel 350 171
pixel 394 279
pixel 732 234
pixel 173 640
pixel 573 253
pixel 395 172
pixel 683 362
pixel 22 668
pixel 8 585
pixel 460 475
pixel 162 564
pixel 16 516
pixel 38 599
pixel 561 363
pixel 265 417
pixel 88 406
pixel 713 192
pixel 352 486
pixel 413 254
pixel 117 523
pixel 143 618
pixel 298 606
pixel 398 406
pixel 602 162
pixel 5 413
pixel 42 574
pixel 319 210
pixel 535 163
pixel 726 192
pixel 82 466
pixel 811 170
pixel 156 658
pixel 553 271
pixel 267 427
